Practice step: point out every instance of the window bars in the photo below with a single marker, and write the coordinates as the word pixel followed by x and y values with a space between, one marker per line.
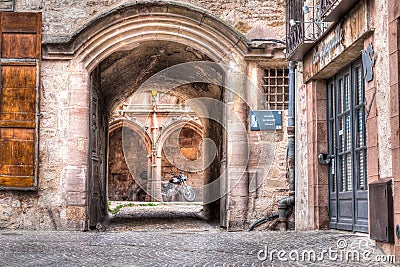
pixel 276 88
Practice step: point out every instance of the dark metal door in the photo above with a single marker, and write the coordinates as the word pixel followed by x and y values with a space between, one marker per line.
pixel 348 202
pixel 97 202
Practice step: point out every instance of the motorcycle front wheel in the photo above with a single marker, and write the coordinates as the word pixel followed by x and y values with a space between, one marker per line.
pixel 189 194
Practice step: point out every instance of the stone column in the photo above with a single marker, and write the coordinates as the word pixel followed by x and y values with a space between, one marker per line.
pixel 155 182
pixel 258 147
pixel 302 202
pixel 75 128
pixel 237 148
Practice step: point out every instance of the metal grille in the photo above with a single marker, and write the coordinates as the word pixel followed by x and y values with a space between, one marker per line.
pixel 360 129
pixel 294 34
pixel 302 29
pixel 276 88
pixel 333 10
pixel 327 5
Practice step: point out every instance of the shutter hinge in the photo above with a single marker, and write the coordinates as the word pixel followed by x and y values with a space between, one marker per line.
pixel 18 60
pixel 39 115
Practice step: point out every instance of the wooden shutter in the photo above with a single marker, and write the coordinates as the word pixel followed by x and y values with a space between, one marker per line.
pixel 20 44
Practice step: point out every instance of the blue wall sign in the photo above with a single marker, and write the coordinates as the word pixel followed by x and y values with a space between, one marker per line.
pixel 7 5
pixel 265 120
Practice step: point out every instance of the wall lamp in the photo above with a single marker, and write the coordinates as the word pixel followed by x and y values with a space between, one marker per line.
pixel 293 22
pixel 306 9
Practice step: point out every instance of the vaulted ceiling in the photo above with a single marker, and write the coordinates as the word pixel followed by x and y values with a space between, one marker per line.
pixel 122 73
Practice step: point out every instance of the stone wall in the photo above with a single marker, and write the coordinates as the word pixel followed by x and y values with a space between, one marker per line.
pixel 394 59
pixel 271 180
pixel 61 199
pixel 381 86
pixel 46 208
pixel 370 18
pixel 61 19
pixel 127 181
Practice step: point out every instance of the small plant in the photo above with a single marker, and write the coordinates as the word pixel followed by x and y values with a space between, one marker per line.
pixel 119 207
pixel 116 209
pixel 109 206
pixel 151 204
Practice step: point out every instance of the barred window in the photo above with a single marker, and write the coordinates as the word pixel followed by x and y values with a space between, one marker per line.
pixel 276 88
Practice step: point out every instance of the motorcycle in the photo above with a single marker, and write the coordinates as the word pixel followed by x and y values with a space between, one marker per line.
pixel 172 188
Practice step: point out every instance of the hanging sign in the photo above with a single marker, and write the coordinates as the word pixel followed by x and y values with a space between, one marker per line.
pixel 368 61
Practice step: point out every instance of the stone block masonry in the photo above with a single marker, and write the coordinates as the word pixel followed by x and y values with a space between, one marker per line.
pixel 63 18
pixel 62 200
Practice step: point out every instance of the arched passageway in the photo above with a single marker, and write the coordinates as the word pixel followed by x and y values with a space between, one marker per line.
pixel 119 54
pixel 170 140
pixel 145 45
pixel 178 143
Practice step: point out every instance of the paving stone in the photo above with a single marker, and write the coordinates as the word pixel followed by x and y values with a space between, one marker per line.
pixel 171 248
pixel 177 236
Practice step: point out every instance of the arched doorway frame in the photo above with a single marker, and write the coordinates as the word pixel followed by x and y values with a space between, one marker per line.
pixel 172 127
pixel 154 168
pixel 166 132
pixel 134 126
pixel 138 129
pixel 126 26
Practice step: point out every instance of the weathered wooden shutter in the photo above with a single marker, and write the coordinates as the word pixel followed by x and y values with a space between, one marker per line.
pixel 20 44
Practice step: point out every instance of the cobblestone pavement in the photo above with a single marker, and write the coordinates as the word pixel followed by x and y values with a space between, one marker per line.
pixel 162 216
pixel 193 243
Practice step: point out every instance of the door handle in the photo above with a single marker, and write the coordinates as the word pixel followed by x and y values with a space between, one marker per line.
pixel 324 159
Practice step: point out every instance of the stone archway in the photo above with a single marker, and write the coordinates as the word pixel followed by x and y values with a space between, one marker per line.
pixel 176 154
pixel 123 30
pixel 178 148
pixel 128 166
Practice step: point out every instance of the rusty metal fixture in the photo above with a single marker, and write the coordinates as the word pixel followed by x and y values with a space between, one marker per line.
pixel 326 5
pixel 283 206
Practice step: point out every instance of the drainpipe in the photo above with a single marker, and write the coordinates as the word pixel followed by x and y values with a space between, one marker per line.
pixel 287 202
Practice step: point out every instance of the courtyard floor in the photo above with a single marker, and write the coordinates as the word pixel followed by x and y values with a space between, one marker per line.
pixel 178 236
